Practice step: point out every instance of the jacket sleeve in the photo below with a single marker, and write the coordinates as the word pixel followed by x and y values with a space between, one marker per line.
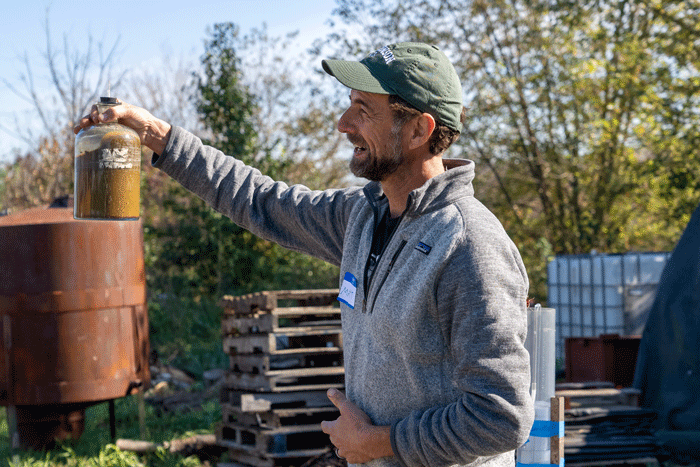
pixel 297 218
pixel 481 299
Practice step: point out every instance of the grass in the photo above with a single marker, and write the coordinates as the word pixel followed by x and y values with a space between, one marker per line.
pixel 95 448
pixel 185 334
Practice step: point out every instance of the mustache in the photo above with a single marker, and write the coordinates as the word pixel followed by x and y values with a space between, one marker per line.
pixel 357 141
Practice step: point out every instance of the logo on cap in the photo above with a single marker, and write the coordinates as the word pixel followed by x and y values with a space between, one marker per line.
pixel 386 53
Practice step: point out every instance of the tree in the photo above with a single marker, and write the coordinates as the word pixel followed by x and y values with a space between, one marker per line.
pixel 76 79
pixel 199 251
pixel 3 189
pixel 38 178
pixel 166 91
pixel 584 114
pixel 296 109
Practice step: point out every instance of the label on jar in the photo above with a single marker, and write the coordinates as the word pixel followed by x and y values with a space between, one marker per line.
pixel 117 158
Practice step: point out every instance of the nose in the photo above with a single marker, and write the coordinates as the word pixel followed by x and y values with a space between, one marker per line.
pixel 344 125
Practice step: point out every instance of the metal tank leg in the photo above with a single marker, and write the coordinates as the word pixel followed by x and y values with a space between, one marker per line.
pixel 13 435
pixel 142 413
pixel 112 421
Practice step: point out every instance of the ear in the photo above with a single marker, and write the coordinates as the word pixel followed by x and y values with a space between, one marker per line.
pixel 421 129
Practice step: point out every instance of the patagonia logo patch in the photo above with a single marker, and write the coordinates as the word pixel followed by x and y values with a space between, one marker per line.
pixel 423 248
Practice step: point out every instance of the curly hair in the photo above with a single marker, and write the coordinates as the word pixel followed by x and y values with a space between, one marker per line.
pixel 442 137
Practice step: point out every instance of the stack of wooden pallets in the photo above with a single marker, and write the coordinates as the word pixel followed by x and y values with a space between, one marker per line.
pixel 285 350
pixel 604 425
pixel 597 394
pixel 610 435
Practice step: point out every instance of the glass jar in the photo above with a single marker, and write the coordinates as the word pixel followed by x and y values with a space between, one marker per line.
pixel 107 170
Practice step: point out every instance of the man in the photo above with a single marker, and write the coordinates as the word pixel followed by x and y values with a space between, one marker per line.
pixel 433 292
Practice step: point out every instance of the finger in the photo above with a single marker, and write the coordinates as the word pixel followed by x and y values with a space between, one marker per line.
pixel 327 426
pixel 94 115
pixel 82 123
pixel 120 111
pixel 336 397
pixel 109 115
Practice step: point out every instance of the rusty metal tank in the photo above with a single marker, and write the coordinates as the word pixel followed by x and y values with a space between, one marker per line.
pixel 73 319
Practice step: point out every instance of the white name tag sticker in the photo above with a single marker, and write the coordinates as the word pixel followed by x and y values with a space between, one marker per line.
pixel 347 290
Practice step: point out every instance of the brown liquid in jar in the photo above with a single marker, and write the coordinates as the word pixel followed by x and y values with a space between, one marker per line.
pixel 107 179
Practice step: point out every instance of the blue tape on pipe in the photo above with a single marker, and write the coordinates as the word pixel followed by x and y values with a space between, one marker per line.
pixel 560 464
pixel 547 429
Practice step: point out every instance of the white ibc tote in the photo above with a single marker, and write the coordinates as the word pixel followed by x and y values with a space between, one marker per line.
pixel 598 294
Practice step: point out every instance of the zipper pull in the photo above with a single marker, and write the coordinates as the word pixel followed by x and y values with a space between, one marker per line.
pixel 364 305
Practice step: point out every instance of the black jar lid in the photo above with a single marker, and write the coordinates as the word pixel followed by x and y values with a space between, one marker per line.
pixel 108 100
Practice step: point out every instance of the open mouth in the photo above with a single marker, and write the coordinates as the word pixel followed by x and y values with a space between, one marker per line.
pixel 358 144
pixel 359 151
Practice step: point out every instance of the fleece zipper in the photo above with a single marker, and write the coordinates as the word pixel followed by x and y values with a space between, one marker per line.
pixel 366 280
pixel 388 271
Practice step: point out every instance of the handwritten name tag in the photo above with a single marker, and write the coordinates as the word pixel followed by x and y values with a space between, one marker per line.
pixel 347 290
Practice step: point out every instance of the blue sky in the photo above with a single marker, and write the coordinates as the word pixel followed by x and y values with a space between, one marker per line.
pixel 144 28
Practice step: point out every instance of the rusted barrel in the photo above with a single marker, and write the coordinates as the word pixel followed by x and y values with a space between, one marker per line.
pixel 73 319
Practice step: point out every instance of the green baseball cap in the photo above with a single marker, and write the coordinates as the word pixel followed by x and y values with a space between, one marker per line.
pixel 419 73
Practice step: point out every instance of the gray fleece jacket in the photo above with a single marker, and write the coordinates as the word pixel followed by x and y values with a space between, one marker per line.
pixel 434 346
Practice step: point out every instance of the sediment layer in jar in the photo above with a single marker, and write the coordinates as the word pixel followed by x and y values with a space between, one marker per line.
pixel 106 189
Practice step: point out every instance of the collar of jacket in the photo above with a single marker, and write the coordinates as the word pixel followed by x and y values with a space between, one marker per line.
pixel 439 191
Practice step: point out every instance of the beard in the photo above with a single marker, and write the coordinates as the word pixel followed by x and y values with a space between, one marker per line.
pixel 376 167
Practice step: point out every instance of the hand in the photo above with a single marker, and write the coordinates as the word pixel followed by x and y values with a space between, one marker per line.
pixel 355 437
pixel 154 133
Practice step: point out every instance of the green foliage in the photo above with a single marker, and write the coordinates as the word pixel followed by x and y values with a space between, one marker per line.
pixel 224 105
pixel 38 177
pixel 109 456
pixel 187 333
pixel 197 252
pixel 96 449
pixel 201 253
pixel 582 116
pixel 3 186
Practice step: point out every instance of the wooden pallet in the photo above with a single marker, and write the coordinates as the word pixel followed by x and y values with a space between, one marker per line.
pixel 270 300
pixel 247 401
pixel 278 418
pixel 613 434
pixel 301 379
pixel 285 351
pixel 261 363
pixel 245 459
pixel 292 441
pixel 293 340
pixel 599 397
pixel 237 458
pixel 279 319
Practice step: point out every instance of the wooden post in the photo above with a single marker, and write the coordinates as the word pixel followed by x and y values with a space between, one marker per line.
pixel 556 442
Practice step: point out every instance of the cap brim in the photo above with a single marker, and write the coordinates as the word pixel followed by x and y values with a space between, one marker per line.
pixel 354 75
